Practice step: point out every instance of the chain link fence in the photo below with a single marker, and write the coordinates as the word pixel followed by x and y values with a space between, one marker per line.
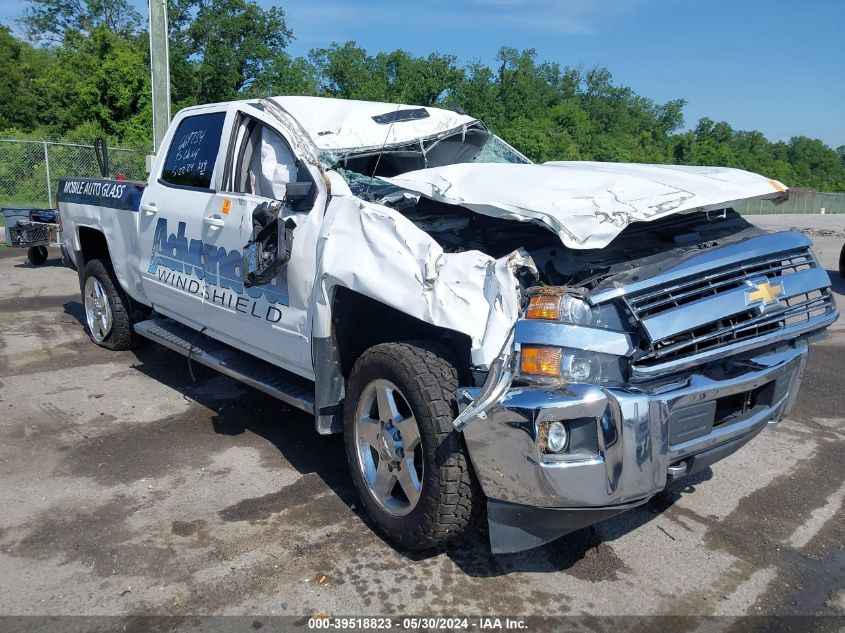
pixel 30 170
pixel 800 201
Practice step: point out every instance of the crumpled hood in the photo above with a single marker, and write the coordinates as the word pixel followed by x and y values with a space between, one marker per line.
pixel 587 203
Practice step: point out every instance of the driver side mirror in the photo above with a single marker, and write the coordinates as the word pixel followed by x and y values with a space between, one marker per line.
pixel 300 195
pixel 295 192
pixel 270 248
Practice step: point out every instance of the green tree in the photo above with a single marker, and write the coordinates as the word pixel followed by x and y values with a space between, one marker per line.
pixel 88 75
pixel 285 76
pixel 348 72
pixel 20 64
pixel 48 20
pixel 417 80
pixel 102 79
pixel 476 93
pixel 523 89
pixel 815 164
pixel 222 48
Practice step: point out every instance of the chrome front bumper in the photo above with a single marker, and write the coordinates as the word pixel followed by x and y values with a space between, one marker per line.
pixel 641 440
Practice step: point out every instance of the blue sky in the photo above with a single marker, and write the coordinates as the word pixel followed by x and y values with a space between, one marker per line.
pixel 775 65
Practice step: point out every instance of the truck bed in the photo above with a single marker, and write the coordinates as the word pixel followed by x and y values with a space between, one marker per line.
pixel 101 192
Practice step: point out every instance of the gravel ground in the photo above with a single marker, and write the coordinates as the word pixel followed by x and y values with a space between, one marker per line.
pixel 127 488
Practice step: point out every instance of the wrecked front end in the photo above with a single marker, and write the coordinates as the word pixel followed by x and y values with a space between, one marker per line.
pixel 652 370
pixel 629 362
pixel 646 330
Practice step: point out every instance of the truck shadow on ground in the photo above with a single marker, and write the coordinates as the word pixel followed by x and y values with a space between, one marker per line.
pixel 586 553
pixel 837 282
pixel 290 432
pixel 76 310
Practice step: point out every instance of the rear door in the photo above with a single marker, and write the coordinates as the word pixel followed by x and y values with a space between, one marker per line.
pixel 172 224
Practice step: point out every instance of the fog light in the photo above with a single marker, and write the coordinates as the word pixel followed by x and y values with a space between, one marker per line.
pixel 557 436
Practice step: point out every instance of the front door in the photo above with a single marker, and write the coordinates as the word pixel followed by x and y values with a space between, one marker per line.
pixel 268 319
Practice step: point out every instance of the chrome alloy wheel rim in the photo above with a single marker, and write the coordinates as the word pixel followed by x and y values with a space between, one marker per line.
pixel 97 309
pixel 389 450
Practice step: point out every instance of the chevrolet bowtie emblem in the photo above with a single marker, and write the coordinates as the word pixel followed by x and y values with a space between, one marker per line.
pixel 765 292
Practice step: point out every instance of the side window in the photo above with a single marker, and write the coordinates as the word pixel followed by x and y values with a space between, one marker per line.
pixel 264 165
pixel 193 151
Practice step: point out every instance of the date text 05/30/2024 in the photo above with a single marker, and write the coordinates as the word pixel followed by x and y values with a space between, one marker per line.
pixel 417 623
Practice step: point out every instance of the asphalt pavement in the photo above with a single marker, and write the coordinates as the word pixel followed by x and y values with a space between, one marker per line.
pixel 128 488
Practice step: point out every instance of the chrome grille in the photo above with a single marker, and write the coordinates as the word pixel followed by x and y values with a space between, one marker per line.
pixel 738 322
pixel 691 290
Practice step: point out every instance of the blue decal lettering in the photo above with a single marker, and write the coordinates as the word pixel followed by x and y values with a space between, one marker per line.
pixel 217 266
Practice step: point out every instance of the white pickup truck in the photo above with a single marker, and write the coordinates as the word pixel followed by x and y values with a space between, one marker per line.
pixel 552 343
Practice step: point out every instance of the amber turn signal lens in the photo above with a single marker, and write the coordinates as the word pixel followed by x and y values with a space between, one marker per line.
pixel 540 361
pixel 543 307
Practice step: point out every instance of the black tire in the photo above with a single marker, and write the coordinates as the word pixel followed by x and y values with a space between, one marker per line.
pixel 842 261
pixel 37 255
pixel 450 499
pixel 125 312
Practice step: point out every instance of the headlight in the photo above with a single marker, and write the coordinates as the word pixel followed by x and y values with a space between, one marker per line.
pixel 576 311
pixel 549 365
pixel 571 309
pixel 580 366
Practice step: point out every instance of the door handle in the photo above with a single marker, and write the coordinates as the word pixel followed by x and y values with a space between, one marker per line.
pixel 215 223
pixel 149 207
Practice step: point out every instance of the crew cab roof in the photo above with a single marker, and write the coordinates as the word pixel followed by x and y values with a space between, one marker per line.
pixel 343 124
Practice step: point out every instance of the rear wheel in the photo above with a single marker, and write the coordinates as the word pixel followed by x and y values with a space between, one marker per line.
pixel 842 261
pixel 109 313
pixel 407 461
pixel 37 255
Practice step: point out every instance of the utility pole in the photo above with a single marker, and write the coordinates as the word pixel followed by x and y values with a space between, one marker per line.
pixel 160 70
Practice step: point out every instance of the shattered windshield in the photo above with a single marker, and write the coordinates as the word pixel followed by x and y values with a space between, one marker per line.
pixel 363 169
pixel 495 150
pixel 370 188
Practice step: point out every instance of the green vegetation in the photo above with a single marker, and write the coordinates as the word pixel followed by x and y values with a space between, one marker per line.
pixel 84 72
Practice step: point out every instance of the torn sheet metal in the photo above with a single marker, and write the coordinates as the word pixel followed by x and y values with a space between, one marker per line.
pixel 587 203
pixel 376 251
pixel 338 124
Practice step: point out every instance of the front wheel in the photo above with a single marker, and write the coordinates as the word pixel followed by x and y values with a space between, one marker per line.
pixel 407 461
pixel 842 261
